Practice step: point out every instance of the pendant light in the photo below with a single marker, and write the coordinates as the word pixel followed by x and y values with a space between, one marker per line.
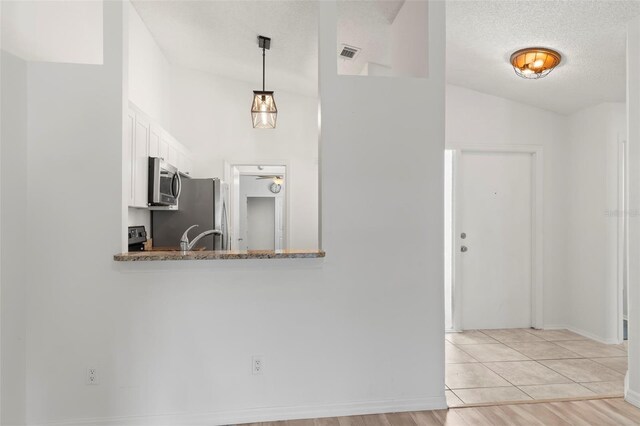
pixel 263 108
pixel 535 62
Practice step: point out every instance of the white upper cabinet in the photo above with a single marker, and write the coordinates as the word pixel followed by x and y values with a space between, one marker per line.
pixel 141 166
pixel 144 139
pixel 154 141
pixel 172 156
pixel 128 156
pixel 164 148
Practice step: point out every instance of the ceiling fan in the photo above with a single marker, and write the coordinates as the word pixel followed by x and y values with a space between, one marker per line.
pixel 279 179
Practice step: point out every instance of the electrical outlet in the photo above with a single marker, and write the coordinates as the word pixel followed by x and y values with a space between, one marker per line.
pixel 92 376
pixel 257 365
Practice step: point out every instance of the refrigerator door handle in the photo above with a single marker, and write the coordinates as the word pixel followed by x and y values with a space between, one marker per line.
pixel 227 234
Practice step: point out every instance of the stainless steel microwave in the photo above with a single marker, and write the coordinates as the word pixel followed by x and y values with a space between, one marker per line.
pixel 164 184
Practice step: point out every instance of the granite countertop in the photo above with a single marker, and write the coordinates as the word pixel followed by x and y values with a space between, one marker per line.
pixel 141 256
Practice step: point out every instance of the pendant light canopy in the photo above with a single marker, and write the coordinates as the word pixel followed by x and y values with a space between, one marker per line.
pixel 534 62
pixel 263 109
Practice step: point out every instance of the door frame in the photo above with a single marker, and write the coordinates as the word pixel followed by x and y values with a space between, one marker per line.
pixel 623 242
pixel 537 283
pixel 231 176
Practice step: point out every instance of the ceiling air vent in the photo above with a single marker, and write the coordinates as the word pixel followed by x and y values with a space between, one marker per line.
pixel 349 52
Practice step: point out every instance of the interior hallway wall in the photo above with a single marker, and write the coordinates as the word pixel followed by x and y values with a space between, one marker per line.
pixel 76 307
pixel 632 384
pixel 47 31
pixel 596 136
pixel 173 341
pixel 149 72
pixel 13 234
pixel 475 119
pixel 580 198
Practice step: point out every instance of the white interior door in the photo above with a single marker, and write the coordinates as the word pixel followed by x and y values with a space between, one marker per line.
pixel 493 209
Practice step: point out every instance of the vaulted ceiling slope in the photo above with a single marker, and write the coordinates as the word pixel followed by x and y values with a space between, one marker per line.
pixel 220 37
pixel 590 35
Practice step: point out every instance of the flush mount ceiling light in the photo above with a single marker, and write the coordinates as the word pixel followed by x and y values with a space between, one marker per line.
pixel 263 108
pixel 534 62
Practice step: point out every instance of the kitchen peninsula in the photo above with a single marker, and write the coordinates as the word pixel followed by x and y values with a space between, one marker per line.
pixel 142 256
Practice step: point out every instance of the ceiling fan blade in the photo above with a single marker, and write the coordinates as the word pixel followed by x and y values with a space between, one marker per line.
pixel 269 177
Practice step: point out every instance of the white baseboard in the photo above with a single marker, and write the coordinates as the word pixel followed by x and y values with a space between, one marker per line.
pixel 632 397
pixel 265 414
pixel 611 341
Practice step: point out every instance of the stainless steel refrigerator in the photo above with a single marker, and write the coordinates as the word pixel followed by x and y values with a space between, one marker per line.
pixel 202 202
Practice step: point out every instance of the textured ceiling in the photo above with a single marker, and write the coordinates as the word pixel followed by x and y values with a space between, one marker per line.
pixel 591 36
pixel 366 25
pixel 221 37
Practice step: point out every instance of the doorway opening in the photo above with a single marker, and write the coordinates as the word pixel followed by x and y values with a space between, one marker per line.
pixel 496 349
pixel 448 240
pixel 623 244
pixel 259 206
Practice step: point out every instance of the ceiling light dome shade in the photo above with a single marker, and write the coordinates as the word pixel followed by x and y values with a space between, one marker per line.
pixel 534 62
pixel 263 110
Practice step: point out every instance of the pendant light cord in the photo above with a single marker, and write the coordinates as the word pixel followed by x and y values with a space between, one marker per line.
pixel 263 69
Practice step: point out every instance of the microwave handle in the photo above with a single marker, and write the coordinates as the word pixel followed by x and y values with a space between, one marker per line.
pixel 179 189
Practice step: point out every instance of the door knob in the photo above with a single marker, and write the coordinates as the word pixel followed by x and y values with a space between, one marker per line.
pixel 463 249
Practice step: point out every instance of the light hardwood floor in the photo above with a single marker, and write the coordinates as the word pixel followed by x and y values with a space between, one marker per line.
pixel 599 412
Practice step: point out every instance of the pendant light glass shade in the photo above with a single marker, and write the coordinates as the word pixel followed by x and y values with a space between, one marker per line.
pixel 263 110
pixel 533 63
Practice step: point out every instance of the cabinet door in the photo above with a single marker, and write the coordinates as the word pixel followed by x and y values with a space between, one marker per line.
pixel 172 157
pixel 141 172
pixel 181 162
pixel 154 141
pixel 188 165
pixel 164 149
pixel 129 158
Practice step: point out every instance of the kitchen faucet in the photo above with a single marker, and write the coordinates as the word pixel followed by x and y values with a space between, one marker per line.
pixel 186 246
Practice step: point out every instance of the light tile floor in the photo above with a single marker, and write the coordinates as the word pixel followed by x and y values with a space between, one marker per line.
pixel 525 364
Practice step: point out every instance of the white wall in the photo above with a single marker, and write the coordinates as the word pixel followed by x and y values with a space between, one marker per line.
pixel 13 232
pixel 410 41
pixel 596 136
pixel 76 305
pixel 448 240
pixel 475 118
pixel 149 72
pixel 632 384
pixel 388 46
pixel 580 198
pixel 174 340
pixel 53 31
pixel 211 115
